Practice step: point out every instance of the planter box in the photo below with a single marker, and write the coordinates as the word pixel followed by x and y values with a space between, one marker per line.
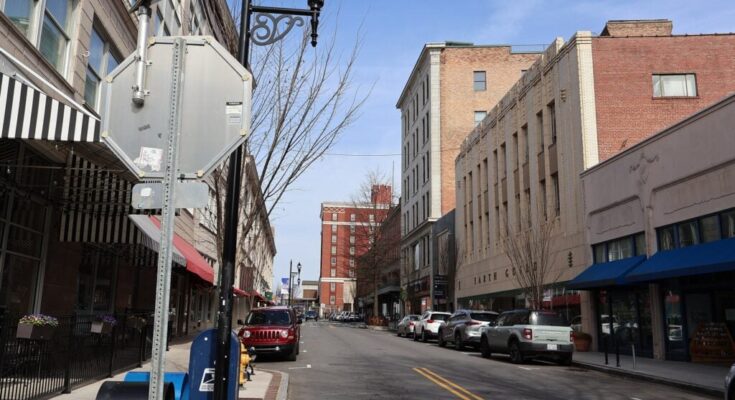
pixel 101 327
pixel 582 344
pixel 34 332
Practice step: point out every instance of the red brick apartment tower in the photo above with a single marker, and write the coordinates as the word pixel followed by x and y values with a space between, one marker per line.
pixel 343 241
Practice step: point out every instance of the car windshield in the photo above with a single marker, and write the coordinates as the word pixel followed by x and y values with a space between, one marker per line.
pixel 311 313
pixel 483 316
pixel 269 317
pixel 548 318
pixel 413 317
pixel 439 317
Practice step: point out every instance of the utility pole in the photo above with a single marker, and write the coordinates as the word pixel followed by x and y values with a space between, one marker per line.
pixel 232 203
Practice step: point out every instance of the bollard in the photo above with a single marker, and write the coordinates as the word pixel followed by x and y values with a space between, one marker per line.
pixel 632 347
pixel 617 353
pixel 605 348
pixel 112 390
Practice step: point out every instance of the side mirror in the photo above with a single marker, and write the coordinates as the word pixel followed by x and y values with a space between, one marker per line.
pixel 239 322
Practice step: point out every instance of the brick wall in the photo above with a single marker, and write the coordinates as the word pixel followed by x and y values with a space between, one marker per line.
pixel 656 27
pixel 626 110
pixel 459 101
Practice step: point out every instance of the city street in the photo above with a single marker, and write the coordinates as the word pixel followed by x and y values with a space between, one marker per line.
pixel 339 361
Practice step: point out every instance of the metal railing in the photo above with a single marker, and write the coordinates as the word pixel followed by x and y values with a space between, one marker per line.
pixel 71 357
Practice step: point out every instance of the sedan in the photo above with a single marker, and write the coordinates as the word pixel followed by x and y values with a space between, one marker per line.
pixel 407 326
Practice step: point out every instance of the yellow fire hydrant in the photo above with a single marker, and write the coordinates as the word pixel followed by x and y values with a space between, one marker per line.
pixel 246 359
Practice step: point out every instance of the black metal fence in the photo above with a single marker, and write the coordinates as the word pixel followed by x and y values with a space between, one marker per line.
pixel 72 356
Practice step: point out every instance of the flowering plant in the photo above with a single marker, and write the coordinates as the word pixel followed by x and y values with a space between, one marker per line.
pixel 39 320
pixel 109 319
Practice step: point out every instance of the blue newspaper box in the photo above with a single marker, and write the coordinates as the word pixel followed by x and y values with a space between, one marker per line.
pixel 202 363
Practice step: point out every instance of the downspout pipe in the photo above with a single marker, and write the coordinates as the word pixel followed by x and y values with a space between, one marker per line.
pixel 144 16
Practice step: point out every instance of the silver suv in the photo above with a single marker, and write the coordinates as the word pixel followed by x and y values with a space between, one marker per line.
pixel 463 328
pixel 428 325
pixel 526 334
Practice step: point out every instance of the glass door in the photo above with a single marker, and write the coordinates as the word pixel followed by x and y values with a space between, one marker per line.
pixel 676 348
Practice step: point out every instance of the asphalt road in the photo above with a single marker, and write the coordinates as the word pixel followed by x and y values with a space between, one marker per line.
pixel 342 362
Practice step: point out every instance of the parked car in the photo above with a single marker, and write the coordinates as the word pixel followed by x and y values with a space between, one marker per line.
pixel 407 325
pixel 526 334
pixel 428 326
pixel 311 314
pixel 730 384
pixel 463 328
pixel 272 330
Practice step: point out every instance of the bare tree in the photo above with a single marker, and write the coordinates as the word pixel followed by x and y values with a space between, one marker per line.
pixel 375 245
pixel 303 101
pixel 528 249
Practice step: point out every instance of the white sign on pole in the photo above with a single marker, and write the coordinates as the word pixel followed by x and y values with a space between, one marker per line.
pixel 216 104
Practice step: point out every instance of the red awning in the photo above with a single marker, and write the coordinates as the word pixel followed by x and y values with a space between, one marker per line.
pixel 239 292
pixel 195 263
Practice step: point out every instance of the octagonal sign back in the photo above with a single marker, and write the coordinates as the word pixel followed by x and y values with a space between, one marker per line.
pixel 215 111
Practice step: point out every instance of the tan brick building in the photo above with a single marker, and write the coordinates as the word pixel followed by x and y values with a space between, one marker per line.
pixel 580 103
pixel 452 87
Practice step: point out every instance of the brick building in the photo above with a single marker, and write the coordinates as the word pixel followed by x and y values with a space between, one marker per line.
pixel 580 103
pixel 345 233
pixel 451 88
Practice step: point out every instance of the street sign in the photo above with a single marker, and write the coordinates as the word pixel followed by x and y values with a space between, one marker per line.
pixel 149 196
pixel 216 105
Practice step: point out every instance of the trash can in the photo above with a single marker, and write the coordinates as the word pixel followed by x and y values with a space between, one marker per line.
pixel 111 390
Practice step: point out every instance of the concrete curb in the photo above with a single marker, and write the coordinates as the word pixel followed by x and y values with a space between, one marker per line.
pixel 283 387
pixel 692 387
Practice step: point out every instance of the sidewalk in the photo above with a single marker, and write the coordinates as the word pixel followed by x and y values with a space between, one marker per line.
pixel 269 385
pixel 703 378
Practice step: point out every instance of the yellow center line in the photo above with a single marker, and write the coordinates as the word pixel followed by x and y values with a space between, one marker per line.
pixel 445 383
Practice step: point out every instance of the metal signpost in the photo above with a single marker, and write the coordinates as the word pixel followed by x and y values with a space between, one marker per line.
pixel 183 130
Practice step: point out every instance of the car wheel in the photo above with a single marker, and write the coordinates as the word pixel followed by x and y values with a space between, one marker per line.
pixel 440 339
pixel 415 337
pixel 485 348
pixel 566 359
pixel 398 332
pixel 516 357
pixel 423 336
pixel 458 345
pixel 292 356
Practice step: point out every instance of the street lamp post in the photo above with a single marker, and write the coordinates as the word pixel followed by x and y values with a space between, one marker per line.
pixel 266 31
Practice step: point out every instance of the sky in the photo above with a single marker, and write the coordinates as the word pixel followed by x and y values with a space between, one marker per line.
pixel 393 33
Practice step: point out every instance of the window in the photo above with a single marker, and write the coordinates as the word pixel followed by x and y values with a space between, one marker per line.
pixel 688 234
pixel 352 240
pixel 372 217
pixel 479 116
pixel 333 261
pixel 101 61
pixel 332 287
pixel 352 262
pixel 352 228
pixel 352 217
pixel 552 116
pixel 728 224
pixel 334 216
pixel 524 135
pixel 666 238
pixel 557 200
pixel 640 244
pixel 333 272
pixel 540 130
pixel 334 250
pixel 479 83
pixel 620 249
pixel 600 256
pixel 710 229
pixel 334 238
pixel 674 85
pixel 19 12
pixel 54 43
pixel 334 228
pixel 331 300
pixel 352 250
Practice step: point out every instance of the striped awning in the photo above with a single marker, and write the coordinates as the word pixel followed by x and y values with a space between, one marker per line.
pixel 28 113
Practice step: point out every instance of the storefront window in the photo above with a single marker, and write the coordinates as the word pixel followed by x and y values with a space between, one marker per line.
pixel 17 289
pixel 624 318
pixel 666 239
pixel 675 340
pixel 728 224
pixel 620 249
pixel 710 229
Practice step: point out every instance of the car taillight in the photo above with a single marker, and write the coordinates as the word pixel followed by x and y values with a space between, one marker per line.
pixel 245 334
pixel 429 321
pixel 571 336
pixel 527 334
pixel 284 334
pixel 473 323
pixel 410 324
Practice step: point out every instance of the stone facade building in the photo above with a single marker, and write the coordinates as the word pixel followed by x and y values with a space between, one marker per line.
pixel 580 103
pixel 451 88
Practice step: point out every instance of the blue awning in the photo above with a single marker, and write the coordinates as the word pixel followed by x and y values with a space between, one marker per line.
pixel 605 274
pixel 706 258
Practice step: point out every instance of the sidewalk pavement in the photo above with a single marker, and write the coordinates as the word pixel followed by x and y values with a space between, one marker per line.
pixel 704 378
pixel 269 385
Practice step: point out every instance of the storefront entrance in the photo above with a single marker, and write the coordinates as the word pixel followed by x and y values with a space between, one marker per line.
pixel 700 317
pixel 624 321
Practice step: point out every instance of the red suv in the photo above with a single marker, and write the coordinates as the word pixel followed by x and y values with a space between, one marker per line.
pixel 272 330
